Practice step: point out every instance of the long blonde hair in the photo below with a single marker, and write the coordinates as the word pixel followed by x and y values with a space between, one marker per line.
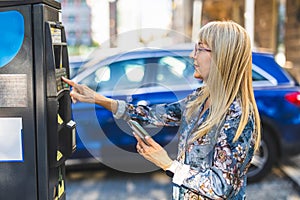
pixel 230 76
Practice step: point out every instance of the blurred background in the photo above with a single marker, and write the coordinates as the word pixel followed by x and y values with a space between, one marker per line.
pixel 272 24
pixel 93 25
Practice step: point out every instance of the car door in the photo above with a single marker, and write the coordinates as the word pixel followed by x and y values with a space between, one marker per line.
pixel 96 127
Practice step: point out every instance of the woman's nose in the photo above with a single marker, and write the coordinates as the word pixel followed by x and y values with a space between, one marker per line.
pixel 192 54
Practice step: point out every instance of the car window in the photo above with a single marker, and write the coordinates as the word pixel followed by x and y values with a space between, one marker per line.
pixel 117 76
pixel 261 77
pixel 173 71
pixel 75 68
pixel 257 77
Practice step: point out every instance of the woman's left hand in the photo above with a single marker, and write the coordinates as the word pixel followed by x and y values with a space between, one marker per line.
pixel 153 152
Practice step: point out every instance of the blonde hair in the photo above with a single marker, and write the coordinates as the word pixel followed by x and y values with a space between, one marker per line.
pixel 230 76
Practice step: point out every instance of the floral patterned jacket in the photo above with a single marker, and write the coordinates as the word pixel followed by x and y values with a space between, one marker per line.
pixel 214 166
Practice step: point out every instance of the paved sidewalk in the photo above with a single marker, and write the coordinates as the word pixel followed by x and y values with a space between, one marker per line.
pixel 291 168
pixel 112 185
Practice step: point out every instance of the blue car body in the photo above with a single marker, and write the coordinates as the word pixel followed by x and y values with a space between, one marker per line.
pixel 97 130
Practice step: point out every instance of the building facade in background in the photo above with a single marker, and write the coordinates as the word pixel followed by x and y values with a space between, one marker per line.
pixel 77 20
pixel 276 26
pixel 292 36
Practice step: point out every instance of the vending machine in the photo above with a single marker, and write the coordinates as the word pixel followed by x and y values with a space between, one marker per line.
pixel 37 133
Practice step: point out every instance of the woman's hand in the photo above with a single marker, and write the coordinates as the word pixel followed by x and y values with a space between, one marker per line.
pixel 153 152
pixel 85 94
pixel 80 93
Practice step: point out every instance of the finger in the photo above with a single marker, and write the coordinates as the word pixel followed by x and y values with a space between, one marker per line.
pixel 139 149
pixel 141 143
pixel 74 96
pixel 71 83
pixel 73 100
pixel 144 146
pixel 77 96
pixel 78 89
pixel 151 142
pixel 137 138
pixel 138 146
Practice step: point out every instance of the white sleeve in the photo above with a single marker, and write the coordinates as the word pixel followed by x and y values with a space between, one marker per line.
pixel 120 110
pixel 181 172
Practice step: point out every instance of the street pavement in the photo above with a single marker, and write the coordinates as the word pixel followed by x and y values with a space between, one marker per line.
pixel 107 184
pixel 291 168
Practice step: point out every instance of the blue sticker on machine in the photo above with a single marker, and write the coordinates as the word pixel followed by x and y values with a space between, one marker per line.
pixel 11 35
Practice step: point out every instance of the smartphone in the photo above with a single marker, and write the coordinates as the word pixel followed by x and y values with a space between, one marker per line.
pixel 139 130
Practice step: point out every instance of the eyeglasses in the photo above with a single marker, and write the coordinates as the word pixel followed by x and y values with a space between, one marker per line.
pixel 197 49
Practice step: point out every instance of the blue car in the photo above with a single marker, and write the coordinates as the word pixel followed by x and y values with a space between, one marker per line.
pixel 76 63
pixel 154 76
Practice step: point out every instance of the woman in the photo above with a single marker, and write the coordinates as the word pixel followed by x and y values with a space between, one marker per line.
pixel 219 122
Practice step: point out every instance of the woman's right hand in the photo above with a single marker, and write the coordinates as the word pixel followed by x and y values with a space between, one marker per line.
pixel 85 94
pixel 81 93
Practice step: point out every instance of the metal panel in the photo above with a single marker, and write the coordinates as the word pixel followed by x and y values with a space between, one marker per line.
pixel 18 178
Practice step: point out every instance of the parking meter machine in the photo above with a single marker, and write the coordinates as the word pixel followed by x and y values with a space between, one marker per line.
pixel 37 133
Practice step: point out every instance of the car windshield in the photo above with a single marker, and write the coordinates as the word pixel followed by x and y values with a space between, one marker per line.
pixel 117 76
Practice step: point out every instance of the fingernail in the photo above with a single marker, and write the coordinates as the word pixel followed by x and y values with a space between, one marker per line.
pixel 147 137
